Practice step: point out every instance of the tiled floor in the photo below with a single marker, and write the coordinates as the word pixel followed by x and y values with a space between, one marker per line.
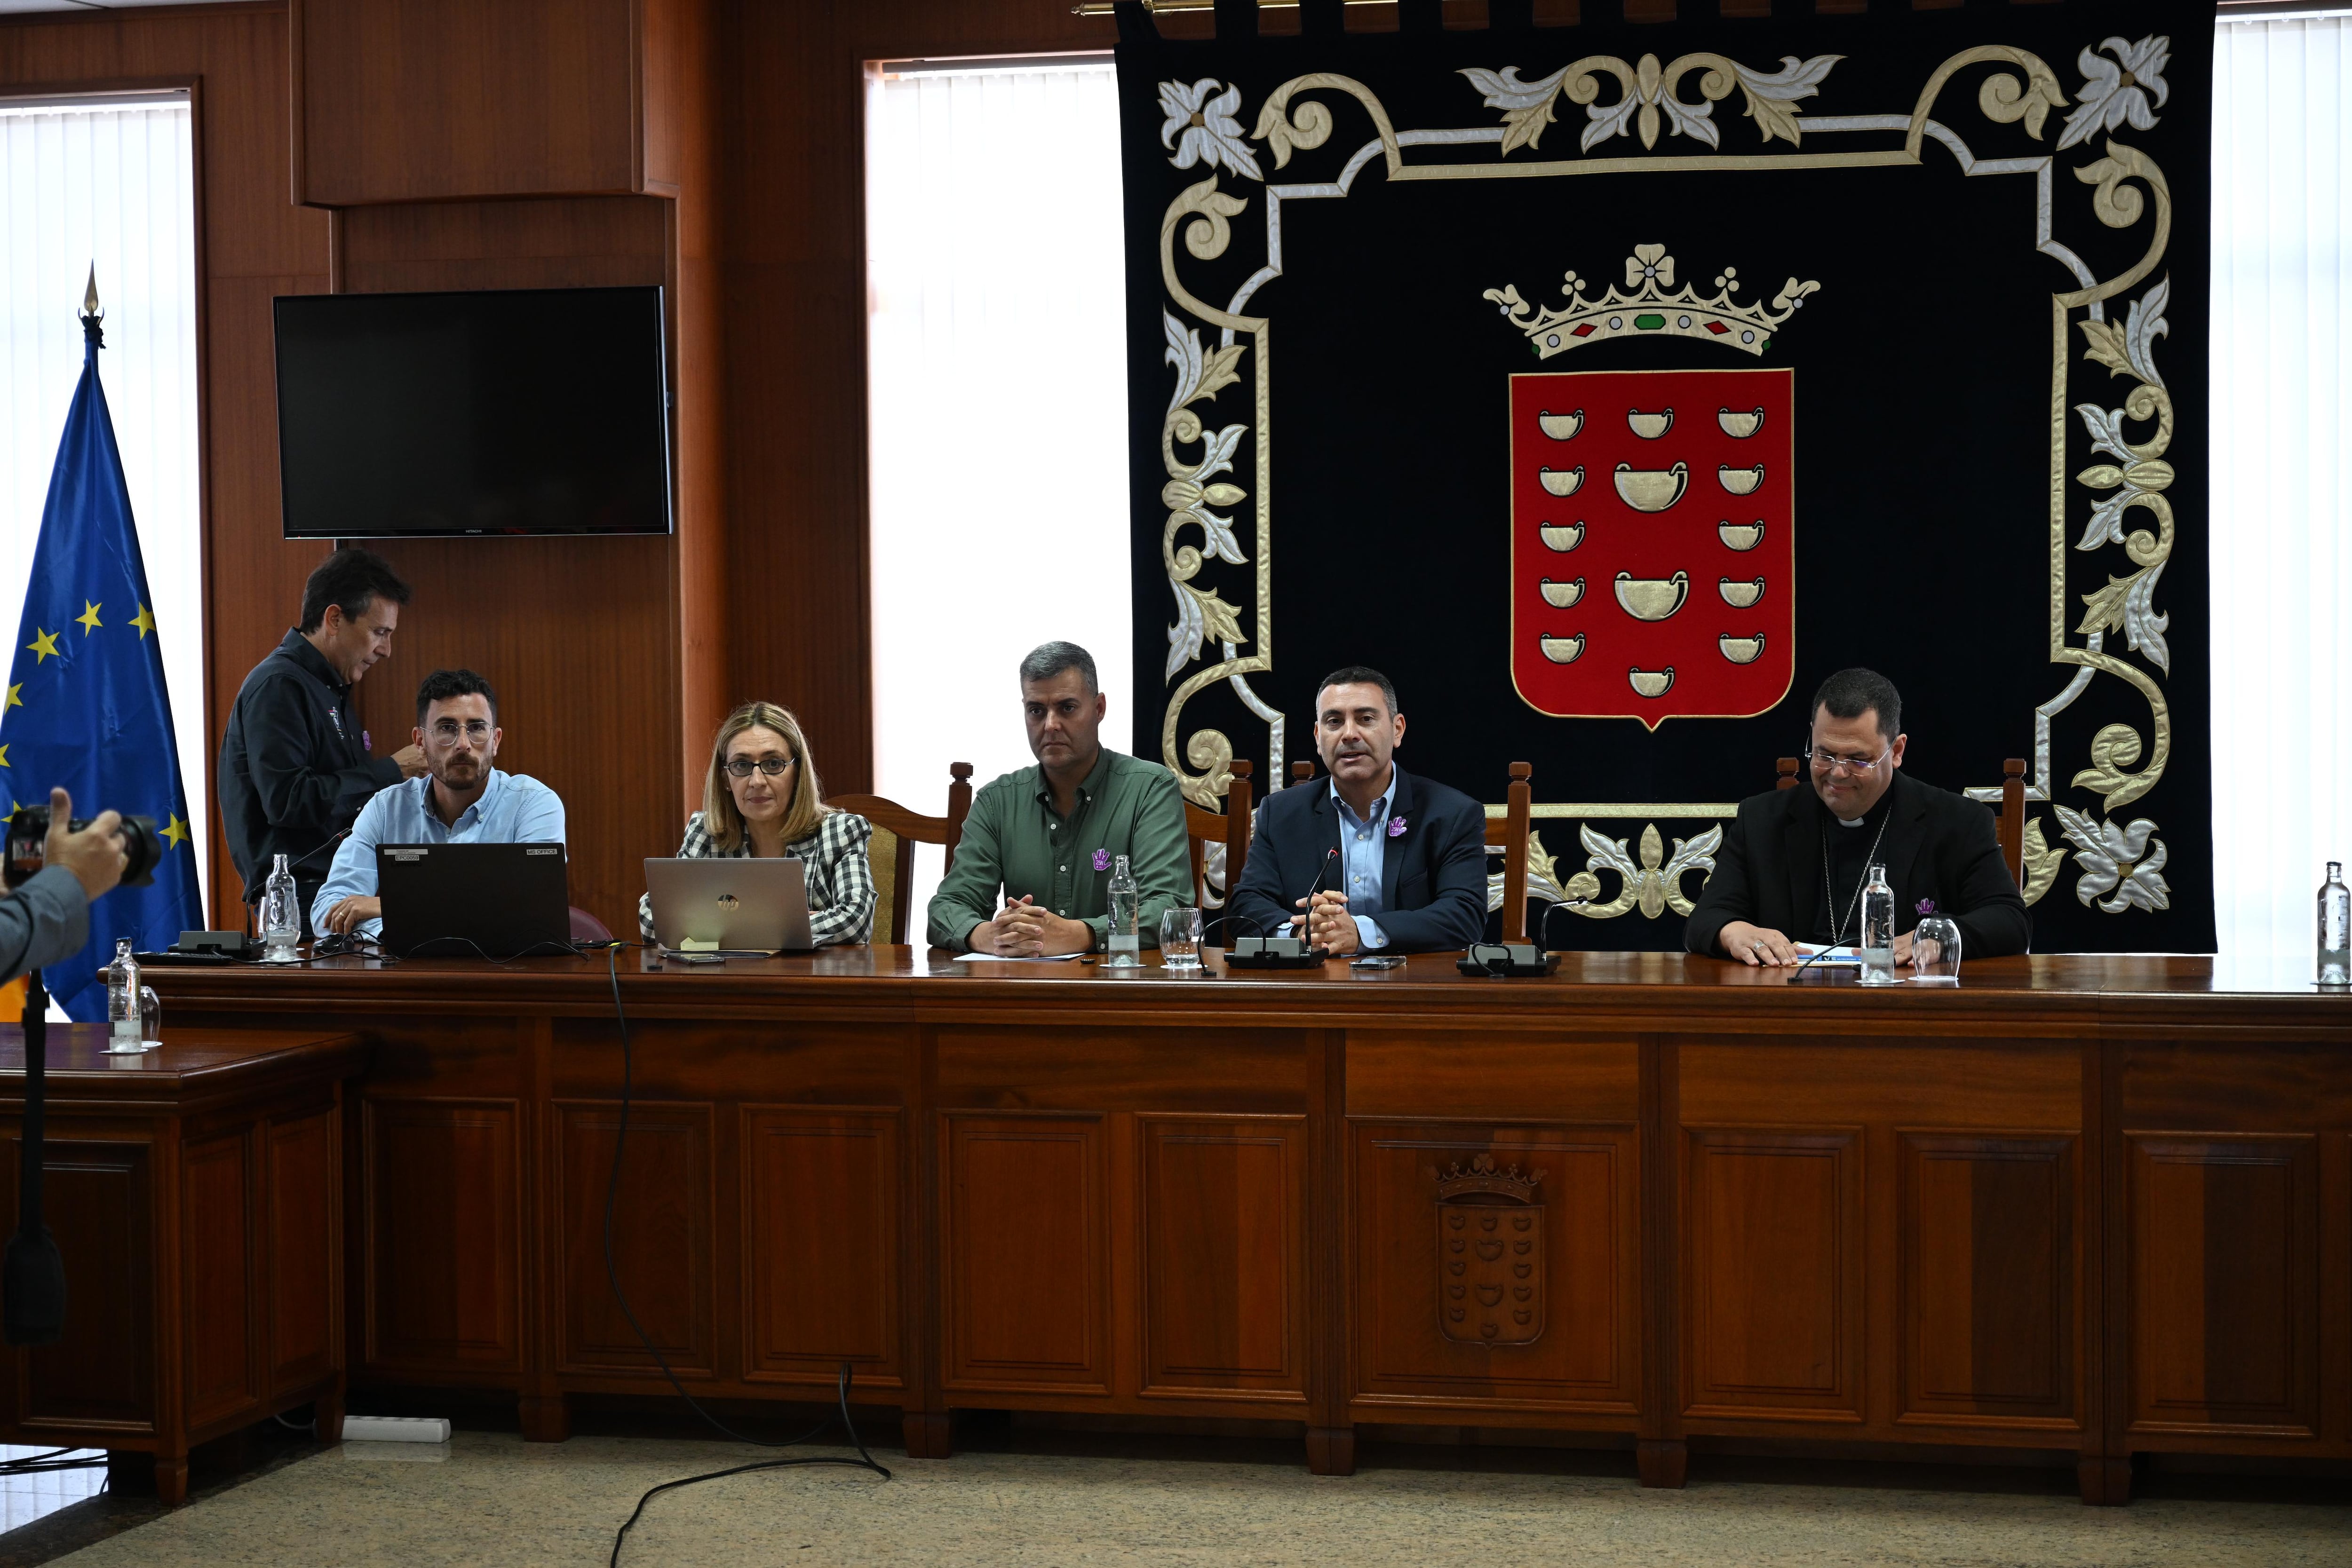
pixel 26 1497
pixel 489 1497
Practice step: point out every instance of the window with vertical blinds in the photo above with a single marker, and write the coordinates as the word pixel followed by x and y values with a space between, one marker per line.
pixel 996 365
pixel 2282 511
pixel 111 183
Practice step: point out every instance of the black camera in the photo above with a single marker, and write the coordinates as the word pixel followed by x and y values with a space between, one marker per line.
pixel 28 845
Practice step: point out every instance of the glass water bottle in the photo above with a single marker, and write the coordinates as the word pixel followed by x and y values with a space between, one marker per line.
pixel 281 916
pixel 2335 928
pixel 1125 942
pixel 122 999
pixel 1879 930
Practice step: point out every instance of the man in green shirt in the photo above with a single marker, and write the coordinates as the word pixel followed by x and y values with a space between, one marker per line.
pixel 1046 837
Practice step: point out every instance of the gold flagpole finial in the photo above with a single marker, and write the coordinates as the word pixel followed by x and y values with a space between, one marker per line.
pixel 89 295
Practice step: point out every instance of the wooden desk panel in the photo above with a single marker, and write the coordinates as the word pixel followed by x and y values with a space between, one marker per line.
pixel 195 1192
pixel 2094 1204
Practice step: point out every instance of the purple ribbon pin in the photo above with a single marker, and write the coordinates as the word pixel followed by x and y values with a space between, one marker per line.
pixel 1396 827
pixel 1926 906
pixel 1102 860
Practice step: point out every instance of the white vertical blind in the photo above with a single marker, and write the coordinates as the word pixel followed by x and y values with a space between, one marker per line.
pixel 2282 548
pixel 997 378
pixel 113 185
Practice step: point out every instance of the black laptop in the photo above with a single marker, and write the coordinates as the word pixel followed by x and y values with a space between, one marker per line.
pixel 473 901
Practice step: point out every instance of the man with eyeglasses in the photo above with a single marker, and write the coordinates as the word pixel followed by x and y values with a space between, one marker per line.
pixel 1793 864
pixel 461 799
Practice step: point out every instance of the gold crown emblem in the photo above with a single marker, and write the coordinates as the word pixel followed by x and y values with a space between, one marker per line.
pixel 1650 311
pixel 1482 1174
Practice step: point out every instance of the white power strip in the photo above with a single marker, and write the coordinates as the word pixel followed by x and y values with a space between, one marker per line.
pixel 396 1430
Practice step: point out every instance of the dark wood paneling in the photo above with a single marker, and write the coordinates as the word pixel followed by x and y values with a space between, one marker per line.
pixel 215 1211
pixel 305 1176
pixel 661 1237
pixel 1581 1258
pixel 1024 1253
pixel 824 1228
pixel 574 633
pixel 252 244
pixel 2224 1288
pixel 101 1207
pixel 443 1249
pixel 417 100
pixel 1990 1320
pixel 1773 1273
pixel 1224 1221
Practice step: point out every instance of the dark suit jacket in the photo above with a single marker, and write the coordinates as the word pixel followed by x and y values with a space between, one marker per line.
pixel 1432 876
pixel 1938 845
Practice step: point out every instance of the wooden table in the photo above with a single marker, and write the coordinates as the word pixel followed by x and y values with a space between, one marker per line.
pixel 195 1192
pixel 2099 1206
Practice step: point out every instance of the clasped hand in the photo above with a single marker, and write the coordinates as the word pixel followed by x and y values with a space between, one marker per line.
pixel 1027 929
pixel 1329 925
pixel 1761 946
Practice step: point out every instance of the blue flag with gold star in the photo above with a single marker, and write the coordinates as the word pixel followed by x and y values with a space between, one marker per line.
pixel 85 707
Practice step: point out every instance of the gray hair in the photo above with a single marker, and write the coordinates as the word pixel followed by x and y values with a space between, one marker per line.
pixel 1047 660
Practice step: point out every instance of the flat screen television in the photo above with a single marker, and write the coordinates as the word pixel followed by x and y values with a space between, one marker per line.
pixel 541 411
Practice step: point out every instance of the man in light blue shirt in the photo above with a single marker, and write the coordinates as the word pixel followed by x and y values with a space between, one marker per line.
pixel 461 799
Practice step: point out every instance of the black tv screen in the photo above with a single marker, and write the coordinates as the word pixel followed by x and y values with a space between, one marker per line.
pixel 542 410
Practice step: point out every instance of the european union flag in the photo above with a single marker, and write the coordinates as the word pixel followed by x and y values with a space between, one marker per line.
pixel 84 707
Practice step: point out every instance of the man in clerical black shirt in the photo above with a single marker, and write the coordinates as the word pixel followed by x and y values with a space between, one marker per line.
pixel 294 765
pixel 1793 864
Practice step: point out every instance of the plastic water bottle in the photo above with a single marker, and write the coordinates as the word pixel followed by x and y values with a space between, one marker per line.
pixel 2335 928
pixel 281 916
pixel 1879 930
pixel 122 998
pixel 1125 943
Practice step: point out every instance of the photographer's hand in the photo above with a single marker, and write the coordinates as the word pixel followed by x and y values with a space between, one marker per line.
pixel 95 856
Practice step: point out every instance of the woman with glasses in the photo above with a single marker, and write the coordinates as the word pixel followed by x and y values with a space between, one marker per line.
pixel 763 797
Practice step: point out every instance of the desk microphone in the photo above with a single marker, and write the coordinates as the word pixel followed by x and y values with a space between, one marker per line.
pixel 1285 952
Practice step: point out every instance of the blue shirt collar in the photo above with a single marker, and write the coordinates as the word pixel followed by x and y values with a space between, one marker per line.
pixel 477 812
pixel 1380 803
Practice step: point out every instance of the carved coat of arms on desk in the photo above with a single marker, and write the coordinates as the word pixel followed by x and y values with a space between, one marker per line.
pixel 1490 1251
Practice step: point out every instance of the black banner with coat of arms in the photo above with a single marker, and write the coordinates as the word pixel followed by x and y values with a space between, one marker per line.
pixel 1609 386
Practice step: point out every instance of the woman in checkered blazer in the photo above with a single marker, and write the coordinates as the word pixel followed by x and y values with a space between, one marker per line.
pixel 763 797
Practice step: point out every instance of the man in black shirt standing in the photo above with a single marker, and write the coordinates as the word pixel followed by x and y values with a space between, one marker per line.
pixel 294 765
pixel 1793 863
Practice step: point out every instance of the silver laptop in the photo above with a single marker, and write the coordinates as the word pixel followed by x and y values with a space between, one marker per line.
pixel 745 906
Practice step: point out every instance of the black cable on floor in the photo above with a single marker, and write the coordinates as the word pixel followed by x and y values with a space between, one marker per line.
pixel 865 1462
pixel 33 1464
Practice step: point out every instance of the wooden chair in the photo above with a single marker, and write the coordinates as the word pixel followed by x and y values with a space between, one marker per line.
pixel 1230 827
pixel 2009 823
pixel 891 852
pixel 1510 831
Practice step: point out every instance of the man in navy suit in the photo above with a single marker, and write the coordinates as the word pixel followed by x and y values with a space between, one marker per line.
pixel 1394 863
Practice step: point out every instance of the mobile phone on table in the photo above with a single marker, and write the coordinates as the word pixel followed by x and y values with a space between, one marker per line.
pixel 1376 961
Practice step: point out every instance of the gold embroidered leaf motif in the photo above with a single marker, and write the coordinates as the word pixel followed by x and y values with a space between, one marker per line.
pixel 1217 371
pixel 2113 752
pixel 2005 102
pixel 2041 861
pixel 1220 621
pixel 2107 347
pixel 2106 605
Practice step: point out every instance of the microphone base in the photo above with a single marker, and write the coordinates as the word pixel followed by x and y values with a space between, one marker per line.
pixel 1272 953
pixel 1507 958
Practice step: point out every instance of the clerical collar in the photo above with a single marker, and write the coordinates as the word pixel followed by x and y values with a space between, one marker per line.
pixel 1876 813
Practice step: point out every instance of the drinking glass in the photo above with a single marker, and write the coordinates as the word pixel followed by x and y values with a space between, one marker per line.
pixel 1180 939
pixel 1936 952
pixel 150 1017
